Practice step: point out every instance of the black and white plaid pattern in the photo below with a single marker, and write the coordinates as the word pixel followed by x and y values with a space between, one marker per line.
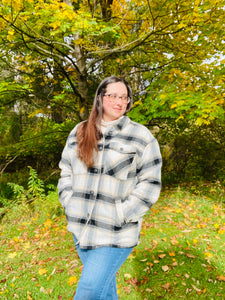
pixel 104 205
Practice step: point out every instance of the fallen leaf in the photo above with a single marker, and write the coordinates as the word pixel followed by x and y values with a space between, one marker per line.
pixel 42 271
pixel 46 291
pixel 190 255
pixel 166 286
pixel 26 245
pixel 173 240
pixel 144 259
pixel 208 254
pixel 127 289
pixel 72 280
pixel 127 275
pixel 161 255
pixel 196 289
pixel 28 295
pixel 165 268
pixel 220 277
pixel 48 223
pixel 12 255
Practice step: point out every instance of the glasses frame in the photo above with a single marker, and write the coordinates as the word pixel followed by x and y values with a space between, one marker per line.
pixel 113 98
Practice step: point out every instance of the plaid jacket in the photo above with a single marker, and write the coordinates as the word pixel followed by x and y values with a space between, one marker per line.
pixel 104 205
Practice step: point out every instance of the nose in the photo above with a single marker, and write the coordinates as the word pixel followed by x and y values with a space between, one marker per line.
pixel 120 100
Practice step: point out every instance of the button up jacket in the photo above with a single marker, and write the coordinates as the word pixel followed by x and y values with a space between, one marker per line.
pixel 105 204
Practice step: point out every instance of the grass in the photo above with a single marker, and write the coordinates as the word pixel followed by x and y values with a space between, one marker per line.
pixel 181 254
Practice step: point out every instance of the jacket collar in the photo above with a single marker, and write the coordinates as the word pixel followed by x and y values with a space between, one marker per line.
pixel 122 123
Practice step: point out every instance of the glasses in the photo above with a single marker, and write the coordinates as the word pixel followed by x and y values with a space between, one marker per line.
pixel 113 97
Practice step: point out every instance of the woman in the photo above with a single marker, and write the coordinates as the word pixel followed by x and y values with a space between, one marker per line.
pixel 110 177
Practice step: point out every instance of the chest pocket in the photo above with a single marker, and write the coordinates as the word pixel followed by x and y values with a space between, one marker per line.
pixel 120 161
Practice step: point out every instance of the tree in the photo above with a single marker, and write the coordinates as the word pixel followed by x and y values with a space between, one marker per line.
pixel 60 50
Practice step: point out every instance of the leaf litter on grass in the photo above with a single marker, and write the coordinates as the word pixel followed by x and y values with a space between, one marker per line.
pixel 186 251
pixel 181 254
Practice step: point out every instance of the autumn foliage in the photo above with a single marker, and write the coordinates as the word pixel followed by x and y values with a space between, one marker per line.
pixel 55 53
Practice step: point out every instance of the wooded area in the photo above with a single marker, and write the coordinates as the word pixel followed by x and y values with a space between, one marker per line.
pixel 55 53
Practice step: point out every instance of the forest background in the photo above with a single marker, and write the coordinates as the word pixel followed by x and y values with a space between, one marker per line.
pixel 55 53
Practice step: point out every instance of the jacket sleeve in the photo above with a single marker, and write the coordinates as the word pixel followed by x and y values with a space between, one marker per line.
pixel 147 189
pixel 65 182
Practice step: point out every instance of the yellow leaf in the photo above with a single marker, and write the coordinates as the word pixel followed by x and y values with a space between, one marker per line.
pixel 221 231
pixel 199 121
pixel 172 253
pixel 195 241
pixel 82 110
pixel 162 96
pixel 136 103
pixel 26 245
pixel 34 219
pixel 72 280
pixel 180 117
pixel 173 106
pixel 208 254
pixel 48 223
pixel 12 255
pixel 28 295
pixel 42 271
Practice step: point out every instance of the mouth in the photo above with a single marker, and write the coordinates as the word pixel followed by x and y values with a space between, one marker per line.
pixel 117 109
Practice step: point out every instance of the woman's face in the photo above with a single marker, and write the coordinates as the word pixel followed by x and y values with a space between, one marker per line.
pixel 115 106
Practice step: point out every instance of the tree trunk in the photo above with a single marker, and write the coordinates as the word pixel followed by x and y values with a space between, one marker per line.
pixel 81 71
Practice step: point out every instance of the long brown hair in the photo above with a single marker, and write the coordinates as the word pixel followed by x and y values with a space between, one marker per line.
pixel 88 132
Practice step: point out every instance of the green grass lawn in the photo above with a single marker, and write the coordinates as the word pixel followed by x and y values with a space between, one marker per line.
pixel 181 254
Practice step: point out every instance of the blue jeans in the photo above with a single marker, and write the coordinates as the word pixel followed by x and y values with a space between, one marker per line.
pixel 98 278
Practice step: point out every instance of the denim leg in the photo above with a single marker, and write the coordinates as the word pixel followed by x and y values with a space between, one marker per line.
pixel 98 278
pixel 112 290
